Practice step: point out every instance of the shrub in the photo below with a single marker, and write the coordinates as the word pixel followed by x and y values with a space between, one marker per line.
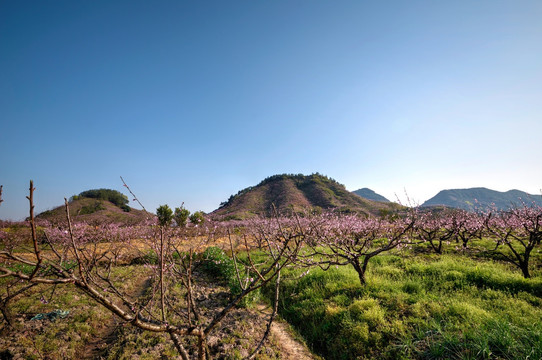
pixel 165 215
pixel 219 264
pixel 113 196
pixel 181 216
pixel 197 218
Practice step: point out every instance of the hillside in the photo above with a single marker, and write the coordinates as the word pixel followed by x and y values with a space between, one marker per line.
pixel 97 206
pixel 370 195
pixel 476 198
pixel 299 192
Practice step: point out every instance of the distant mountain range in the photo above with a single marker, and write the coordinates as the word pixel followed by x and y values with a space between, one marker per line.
pixel 286 192
pixel 481 198
pixel 370 195
pixel 298 192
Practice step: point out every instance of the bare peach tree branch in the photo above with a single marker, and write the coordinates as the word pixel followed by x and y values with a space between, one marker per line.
pixel 74 246
pixel 81 258
pixel 33 228
pixel 134 196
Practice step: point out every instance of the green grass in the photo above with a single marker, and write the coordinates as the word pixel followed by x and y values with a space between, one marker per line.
pixel 414 306
pixel 217 263
pixel 424 307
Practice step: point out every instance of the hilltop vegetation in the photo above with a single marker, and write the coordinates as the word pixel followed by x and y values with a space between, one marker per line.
pixel 97 206
pixel 112 196
pixel 298 192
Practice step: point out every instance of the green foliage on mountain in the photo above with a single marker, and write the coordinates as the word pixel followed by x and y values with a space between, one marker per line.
pixel 112 196
pixel 298 192
pixel 482 198
pixel 97 206
pixel 370 195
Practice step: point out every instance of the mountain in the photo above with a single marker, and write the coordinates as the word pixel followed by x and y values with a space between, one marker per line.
pixel 370 195
pixel 481 198
pixel 97 206
pixel 299 192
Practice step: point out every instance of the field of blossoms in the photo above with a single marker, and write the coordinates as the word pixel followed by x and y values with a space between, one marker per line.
pixel 410 285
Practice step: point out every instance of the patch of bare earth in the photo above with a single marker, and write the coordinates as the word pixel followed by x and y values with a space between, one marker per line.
pixel 236 336
pixel 281 334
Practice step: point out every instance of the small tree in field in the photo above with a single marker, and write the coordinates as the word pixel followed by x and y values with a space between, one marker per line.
pixel 165 215
pixel 181 216
pixel 467 226
pixel 434 229
pixel 517 233
pixel 353 240
pixel 197 218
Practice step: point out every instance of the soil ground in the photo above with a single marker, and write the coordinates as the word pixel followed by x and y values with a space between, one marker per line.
pixel 234 338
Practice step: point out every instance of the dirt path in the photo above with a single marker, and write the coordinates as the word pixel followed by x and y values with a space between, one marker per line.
pixel 108 335
pixel 97 348
pixel 289 347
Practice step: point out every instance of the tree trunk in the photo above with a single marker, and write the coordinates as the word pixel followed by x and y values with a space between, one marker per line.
pixel 6 313
pixel 361 268
pixel 524 266
pixel 162 291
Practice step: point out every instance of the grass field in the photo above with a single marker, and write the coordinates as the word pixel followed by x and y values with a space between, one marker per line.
pixel 418 306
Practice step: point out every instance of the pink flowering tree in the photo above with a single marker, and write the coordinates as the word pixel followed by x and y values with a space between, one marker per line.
pixel 467 226
pixel 338 240
pixel 434 229
pixel 517 233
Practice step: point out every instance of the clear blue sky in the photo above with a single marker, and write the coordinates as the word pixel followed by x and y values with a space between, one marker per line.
pixel 194 100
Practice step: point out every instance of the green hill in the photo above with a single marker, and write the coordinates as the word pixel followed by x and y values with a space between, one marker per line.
pixel 97 206
pixel 299 192
pixel 370 195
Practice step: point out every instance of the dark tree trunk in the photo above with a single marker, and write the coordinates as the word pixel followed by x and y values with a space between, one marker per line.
pixel 524 265
pixel 361 269
pixel 6 313
pixel 525 270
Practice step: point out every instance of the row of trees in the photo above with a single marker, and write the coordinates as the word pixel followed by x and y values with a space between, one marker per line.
pixel 324 240
pixel 181 216
pixel 511 236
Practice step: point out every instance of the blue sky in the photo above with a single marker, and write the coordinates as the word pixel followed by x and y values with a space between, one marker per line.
pixel 194 100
